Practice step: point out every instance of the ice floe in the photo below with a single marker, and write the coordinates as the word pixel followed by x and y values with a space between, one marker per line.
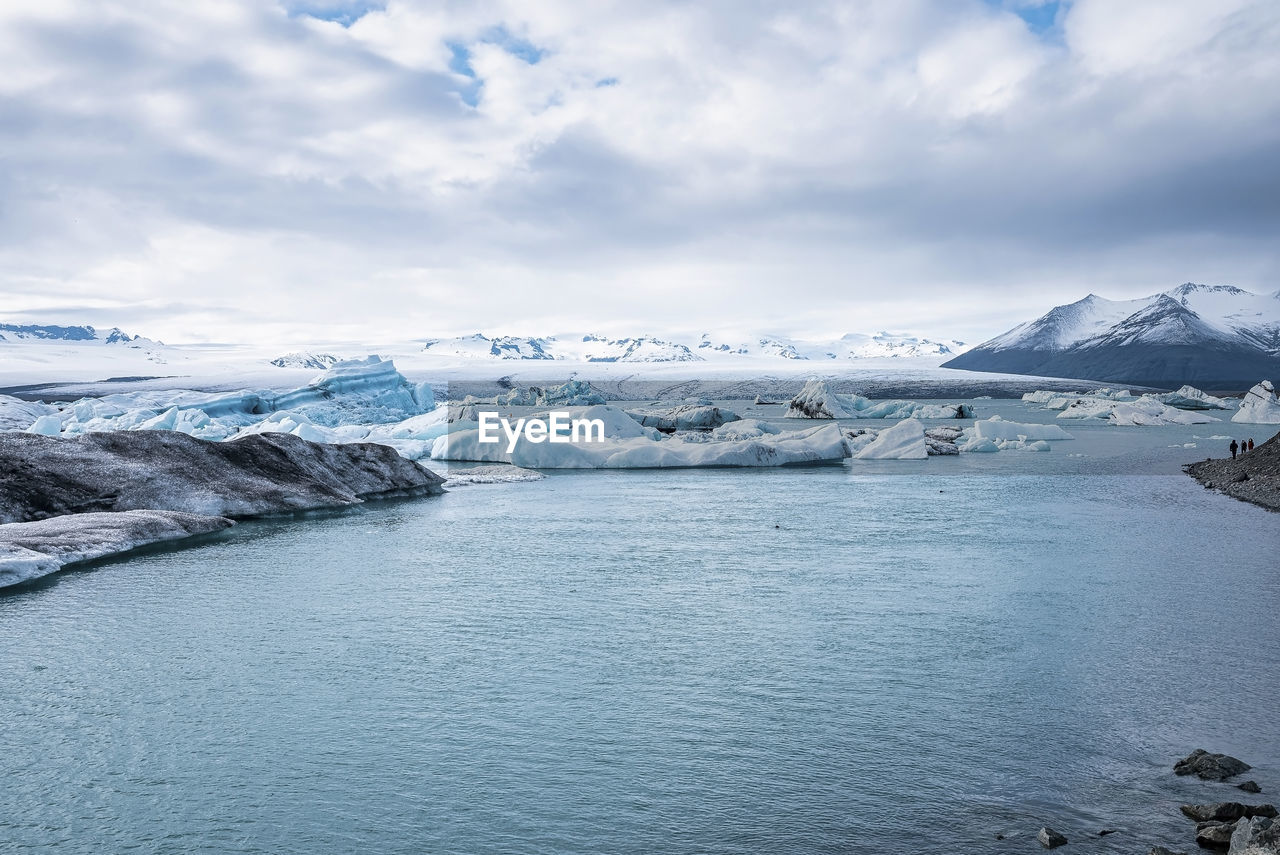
pixel 574 393
pixel 1191 398
pixel 903 441
pixel 1260 406
pixel 684 417
pixel 817 401
pixel 496 474
pixel 1144 411
pixel 627 444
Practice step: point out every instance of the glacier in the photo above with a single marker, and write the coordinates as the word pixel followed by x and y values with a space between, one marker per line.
pixel 367 391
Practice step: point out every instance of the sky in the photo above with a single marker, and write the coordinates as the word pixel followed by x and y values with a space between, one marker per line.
pixel 325 170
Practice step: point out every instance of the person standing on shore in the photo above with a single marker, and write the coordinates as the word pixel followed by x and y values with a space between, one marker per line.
pixel 1251 443
pixel 1233 448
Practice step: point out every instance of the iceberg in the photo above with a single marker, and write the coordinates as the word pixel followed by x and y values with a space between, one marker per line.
pixel 816 400
pixel 997 429
pixel 496 474
pixel 903 441
pixel 1260 406
pixel 627 444
pixel 574 393
pixel 684 417
pixel 1144 411
pixel 1191 398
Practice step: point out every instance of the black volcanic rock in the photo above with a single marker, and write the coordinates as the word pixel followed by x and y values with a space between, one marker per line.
pixel 1210 767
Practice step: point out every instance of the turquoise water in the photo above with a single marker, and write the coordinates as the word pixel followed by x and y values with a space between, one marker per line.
pixel 829 659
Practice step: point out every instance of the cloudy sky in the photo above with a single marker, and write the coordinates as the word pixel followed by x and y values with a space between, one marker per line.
pixel 318 170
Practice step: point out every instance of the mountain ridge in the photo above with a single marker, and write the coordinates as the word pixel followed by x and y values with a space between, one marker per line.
pixel 1209 335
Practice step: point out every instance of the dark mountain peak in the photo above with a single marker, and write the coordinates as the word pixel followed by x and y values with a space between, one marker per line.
pixel 1186 289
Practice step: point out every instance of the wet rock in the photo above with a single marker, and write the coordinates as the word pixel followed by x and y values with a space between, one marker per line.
pixel 1215 835
pixel 1221 812
pixel 1256 836
pixel 1210 767
pixel 1249 787
pixel 1050 839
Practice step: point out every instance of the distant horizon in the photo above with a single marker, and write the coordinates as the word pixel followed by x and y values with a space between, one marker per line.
pixel 729 336
pixel 235 170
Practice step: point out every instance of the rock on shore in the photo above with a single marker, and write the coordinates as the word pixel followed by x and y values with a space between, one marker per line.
pixel 1252 477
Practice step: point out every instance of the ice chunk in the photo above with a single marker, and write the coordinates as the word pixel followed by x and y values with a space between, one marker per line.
pixel 1260 406
pixel 978 445
pixel 1191 398
pixel 903 441
pixel 628 444
pixel 17 414
pixel 816 400
pixel 50 425
pixel 684 417
pixel 996 428
pixel 498 474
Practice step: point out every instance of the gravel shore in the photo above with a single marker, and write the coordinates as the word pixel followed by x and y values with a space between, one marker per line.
pixel 1252 477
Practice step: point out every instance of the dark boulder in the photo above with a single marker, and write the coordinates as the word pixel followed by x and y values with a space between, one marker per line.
pixel 1214 835
pixel 1210 767
pixel 1050 839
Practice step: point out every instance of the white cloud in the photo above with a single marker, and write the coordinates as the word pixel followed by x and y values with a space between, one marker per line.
pixel 847 165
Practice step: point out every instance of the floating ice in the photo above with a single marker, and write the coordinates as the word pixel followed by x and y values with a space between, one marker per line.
pixel 903 441
pixel 996 428
pixel 497 474
pixel 684 417
pixel 1191 398
pixel 630 445
pixel 1144 411
pixel 1260 406
pixel 817 401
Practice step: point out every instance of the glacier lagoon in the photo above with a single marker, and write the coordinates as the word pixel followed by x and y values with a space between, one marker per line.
pixel 874 656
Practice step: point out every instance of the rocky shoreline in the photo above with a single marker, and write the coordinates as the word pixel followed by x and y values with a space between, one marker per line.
pixel 1228 826
pixel 64 501
pixel 1251 477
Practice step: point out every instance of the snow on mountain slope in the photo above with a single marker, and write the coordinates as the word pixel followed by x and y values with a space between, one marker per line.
pixel 881 345
pixel 596 348
pixel 1217 336
pixel 1064 326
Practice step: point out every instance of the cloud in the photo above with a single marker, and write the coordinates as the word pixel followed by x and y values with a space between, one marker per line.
pixel 338 169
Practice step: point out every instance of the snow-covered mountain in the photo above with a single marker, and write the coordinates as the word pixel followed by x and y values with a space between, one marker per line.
pixel 1215 336
pixel 84 334
pixel 595 348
